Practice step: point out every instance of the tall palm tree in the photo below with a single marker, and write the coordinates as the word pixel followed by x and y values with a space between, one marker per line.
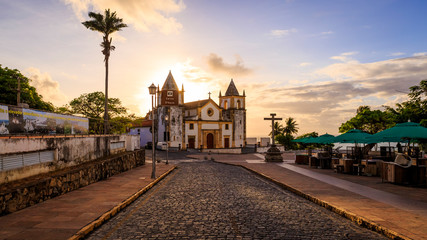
pixel 105 24
pixel 291 126
pixel 278 129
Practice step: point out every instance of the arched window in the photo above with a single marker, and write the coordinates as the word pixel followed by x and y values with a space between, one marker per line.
pixel 238 104
pixel 225 104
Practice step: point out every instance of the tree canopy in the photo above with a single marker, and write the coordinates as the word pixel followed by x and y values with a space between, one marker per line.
pixel 370 121
pixel 9 87
pixel 91 105
pixel 373 121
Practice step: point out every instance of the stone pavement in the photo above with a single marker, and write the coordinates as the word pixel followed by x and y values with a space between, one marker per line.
pixel 79 210
pixel 61 217
pixel 403 217
pixel 209 200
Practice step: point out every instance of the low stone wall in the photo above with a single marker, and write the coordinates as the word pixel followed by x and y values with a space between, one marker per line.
pixel 27 192
pixel 69 151
pixel 223 150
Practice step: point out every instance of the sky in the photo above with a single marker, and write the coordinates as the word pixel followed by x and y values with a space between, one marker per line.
pixel 314 61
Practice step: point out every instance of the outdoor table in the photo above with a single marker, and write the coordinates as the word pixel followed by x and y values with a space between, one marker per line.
pixel 371 166
pixel 325 163
pixel 348 164
pixel 301 159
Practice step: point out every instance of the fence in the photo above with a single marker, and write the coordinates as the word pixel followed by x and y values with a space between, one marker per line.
pixel 8 162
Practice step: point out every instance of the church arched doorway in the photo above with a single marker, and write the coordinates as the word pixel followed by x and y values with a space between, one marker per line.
pixel 210 140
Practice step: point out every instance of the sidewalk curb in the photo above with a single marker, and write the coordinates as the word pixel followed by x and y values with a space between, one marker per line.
pixel 361 221
pixel 112 212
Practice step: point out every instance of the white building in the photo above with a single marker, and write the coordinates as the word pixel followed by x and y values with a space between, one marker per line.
pixel 199 124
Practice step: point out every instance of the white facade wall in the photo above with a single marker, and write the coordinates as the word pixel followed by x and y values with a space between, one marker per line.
pixel 191 132
pixel 210 126
pixel 239 122
pixel 204 112
pixel 228 133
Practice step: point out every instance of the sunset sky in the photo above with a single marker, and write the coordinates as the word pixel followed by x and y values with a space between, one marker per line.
pixel 315 61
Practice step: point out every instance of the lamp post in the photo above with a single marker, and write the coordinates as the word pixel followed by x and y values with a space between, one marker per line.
pixel 167 136
pixel 152 90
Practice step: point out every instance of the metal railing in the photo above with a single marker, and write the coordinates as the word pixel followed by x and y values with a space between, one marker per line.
pixel 13 161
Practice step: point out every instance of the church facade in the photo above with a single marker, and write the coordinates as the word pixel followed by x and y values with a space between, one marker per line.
pixel 202 124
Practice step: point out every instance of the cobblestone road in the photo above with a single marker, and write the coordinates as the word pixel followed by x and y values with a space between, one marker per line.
pixel 207 200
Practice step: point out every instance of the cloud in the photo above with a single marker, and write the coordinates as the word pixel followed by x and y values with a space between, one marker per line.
pixel 282 32
pixel 304 64
pixel 143 15
pixel 344 57
pixel 323 106
pixel 400 69
pixel 420 54
pixel 45 86
pixel 396 54
pixel 327 33
pixel 217 64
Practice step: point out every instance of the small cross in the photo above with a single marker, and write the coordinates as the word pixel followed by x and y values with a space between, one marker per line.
pixel 272 124
pixel 209 95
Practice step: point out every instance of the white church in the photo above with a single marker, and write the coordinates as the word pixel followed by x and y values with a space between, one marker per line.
pixel 201 124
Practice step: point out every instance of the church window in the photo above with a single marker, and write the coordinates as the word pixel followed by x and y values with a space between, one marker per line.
pixel 210 112
pixel 226 126
pixel 139 131
pixel 191 125
pixel 225 104
pixel 240 121
pixel 238 104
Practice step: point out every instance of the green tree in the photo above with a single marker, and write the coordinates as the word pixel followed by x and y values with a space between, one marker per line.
pixel 9 87
pixel 286 141
pixel 105 24
pixel 90 105
pixel 415 109
pixel 290 127
pixel 278 129
pixel 369 121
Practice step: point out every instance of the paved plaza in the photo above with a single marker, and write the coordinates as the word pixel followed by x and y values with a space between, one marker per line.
pixel 208 200
pixel 219 196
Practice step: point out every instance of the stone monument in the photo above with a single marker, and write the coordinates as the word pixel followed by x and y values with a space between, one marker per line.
pixel 273 153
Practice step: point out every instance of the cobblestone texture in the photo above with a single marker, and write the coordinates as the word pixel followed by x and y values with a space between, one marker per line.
pixel 208 200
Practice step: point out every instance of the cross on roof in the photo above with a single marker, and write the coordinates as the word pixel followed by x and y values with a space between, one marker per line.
pixel 209 95
pixel 272 124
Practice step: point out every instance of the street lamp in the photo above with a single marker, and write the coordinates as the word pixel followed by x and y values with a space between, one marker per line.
pixel 152 90
pixel 167 137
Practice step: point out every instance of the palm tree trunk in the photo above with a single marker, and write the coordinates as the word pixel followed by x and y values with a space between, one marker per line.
pixel 106 98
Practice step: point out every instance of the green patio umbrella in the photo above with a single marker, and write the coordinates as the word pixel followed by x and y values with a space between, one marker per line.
pixel 322 139
pixel 353 136
pixel 403 131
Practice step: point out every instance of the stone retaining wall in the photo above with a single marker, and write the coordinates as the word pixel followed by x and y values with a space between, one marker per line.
pixel 27 192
